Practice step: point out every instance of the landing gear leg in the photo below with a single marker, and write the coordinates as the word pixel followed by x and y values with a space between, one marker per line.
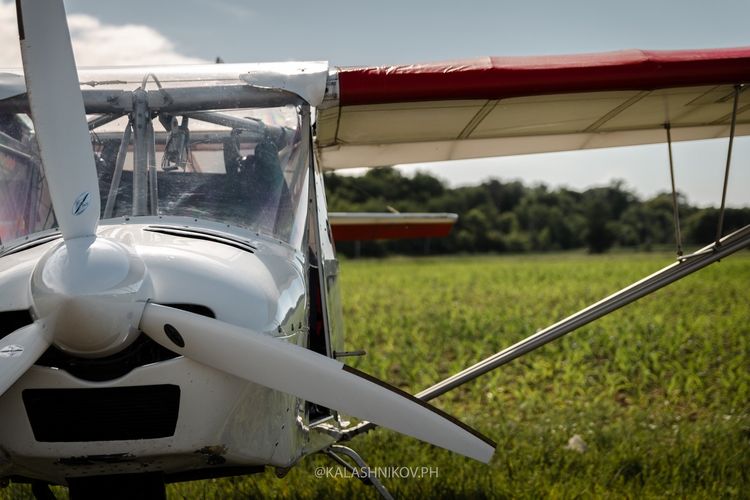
pixel 335 450
pixel 118 487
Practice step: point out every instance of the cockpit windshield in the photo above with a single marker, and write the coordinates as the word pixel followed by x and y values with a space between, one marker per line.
pixel 212 155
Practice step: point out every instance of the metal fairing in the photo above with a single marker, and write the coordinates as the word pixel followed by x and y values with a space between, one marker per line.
pixel 329 269
pixel 222 420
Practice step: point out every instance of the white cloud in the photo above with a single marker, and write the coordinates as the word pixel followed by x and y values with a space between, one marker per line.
pixel 98 44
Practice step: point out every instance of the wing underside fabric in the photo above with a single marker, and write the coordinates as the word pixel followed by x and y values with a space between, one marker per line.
pixel 509 106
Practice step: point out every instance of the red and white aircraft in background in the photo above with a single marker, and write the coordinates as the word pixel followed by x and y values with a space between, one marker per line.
pixel 169 297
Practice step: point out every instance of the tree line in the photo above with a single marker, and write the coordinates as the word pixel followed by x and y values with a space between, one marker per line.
pixel 498 216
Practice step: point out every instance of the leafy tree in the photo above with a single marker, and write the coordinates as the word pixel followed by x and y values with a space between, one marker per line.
pixel 498 216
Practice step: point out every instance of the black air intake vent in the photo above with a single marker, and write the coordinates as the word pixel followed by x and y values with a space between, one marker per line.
pixel 193 308
pixel 143 351
pixel 107 414
pixel 10 321
pixel 204 234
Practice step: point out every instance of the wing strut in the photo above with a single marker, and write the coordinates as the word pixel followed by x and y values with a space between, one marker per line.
pixel 684 266
pixel 720 228
pixel 675 205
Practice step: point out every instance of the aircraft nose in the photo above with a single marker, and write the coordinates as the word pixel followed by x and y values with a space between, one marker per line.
pixel 92 291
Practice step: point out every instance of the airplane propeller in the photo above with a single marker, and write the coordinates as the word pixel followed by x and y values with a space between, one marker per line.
pixel 286 367
pixel 59 117
pixel 19 350
pixel 84 285
pixel 91 295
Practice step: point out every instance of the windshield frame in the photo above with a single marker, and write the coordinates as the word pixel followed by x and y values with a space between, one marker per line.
pixel 108 105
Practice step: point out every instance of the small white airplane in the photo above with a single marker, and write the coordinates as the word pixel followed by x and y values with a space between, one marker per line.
pixel 169 301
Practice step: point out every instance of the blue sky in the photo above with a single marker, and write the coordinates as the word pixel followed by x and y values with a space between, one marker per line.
pixel 356 33
pixel 395 32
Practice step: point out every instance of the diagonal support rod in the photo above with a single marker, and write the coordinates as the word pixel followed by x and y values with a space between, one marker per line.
pixel 675 205
pixel 684 266
pixel 720 228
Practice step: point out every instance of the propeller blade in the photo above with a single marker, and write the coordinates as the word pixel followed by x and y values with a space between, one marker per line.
pixel 286 367
pixel 59 117
pixel 20 350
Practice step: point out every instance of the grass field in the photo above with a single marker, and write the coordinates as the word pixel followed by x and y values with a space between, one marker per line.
pixel 659 391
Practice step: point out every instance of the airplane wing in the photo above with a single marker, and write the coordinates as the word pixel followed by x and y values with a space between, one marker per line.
pixel 351 226
pixel 497 106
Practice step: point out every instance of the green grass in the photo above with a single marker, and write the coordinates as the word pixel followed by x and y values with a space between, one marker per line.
pixel 660 390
